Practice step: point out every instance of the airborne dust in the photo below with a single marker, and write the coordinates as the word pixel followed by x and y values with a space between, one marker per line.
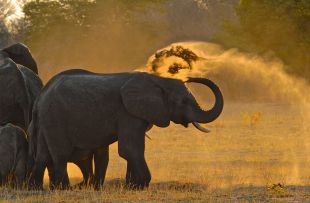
pixel 241 76
pixel 258 93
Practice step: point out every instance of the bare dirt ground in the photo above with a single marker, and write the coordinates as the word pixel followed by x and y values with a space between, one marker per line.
pixel 256 152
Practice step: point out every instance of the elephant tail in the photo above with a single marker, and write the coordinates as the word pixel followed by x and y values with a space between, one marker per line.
pixel 32 140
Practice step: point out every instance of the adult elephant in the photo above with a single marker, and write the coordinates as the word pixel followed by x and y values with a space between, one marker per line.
pixel 19 87
pixel 20 54
pixel 80 110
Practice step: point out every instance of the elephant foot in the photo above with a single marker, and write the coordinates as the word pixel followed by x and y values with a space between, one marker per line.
pixel 98 184
pixel 137 186
pixel 64 185
pixel 97 187
pixel 137 179
pixel 35 187
pixel 135 183
pixel 61 187
pixel 82 185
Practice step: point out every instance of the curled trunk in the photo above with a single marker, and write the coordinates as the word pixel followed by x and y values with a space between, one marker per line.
pixel 211 114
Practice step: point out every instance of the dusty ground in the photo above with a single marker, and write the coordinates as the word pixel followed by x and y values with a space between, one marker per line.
pixel 255 153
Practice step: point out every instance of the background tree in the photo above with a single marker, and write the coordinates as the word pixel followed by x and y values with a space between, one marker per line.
pixel 278 26
pixel 83 33
pixel 11 28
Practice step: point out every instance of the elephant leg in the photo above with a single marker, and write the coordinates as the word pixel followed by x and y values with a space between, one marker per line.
pixel 101 159
pixel 65 179
pixel 20 172
pixel 60 151
pixel 58 172
pixel 51 175
pixel 60 179
pixel 41 161
pixel 36 178
pixel 2 179
pixel 129 174
pixel 86 167
pixel 139 176
pixel 131 147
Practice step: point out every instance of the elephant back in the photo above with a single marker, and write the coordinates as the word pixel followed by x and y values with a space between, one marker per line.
pixel 33 83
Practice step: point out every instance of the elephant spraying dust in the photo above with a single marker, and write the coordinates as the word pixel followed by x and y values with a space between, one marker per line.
pixel 80 111
pixel 13 153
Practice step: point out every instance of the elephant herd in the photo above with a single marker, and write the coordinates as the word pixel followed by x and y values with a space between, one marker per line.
pixel 78 114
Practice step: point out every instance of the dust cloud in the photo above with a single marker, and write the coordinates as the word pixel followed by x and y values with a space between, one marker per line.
pixel 252 85
pixel 241 76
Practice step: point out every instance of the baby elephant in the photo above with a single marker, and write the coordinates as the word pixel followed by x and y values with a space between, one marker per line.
pixel 13 155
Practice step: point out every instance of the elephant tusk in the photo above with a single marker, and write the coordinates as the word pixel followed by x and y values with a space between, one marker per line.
pixel 199 127
pixel 146 135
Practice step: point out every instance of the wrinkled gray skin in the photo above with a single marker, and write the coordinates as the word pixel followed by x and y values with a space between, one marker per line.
pixel 79 112
pixel 19 87
pixel 13 153
pixel 20 54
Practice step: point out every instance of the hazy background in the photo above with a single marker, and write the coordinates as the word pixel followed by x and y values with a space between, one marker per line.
pixel 257 51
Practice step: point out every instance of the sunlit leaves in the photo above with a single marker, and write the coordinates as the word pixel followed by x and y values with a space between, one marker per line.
pixel 45 16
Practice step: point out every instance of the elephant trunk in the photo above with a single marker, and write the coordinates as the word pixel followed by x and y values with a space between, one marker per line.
pixel 210 115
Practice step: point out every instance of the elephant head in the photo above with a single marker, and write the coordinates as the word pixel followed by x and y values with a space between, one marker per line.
pixel 15 102
pixel 20 54
pixel 161 100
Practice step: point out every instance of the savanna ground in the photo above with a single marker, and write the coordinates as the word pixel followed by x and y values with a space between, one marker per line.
pixel 256 152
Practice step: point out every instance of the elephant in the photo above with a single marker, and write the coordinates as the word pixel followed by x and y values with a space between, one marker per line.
pixel 20 54
pixel 13 153
pixel 80 110
pixel 19 87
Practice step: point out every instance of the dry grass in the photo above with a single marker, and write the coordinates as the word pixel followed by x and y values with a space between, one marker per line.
pixel 237 162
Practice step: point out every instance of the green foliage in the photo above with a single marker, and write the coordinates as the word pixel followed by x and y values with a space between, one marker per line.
pixel 280 26
pixel 88 33
pixel 53 16
pixel 74 16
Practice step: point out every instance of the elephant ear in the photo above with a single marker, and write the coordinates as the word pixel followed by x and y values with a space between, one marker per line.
pixel 20 54
pixel 17 49
pixel 144 99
